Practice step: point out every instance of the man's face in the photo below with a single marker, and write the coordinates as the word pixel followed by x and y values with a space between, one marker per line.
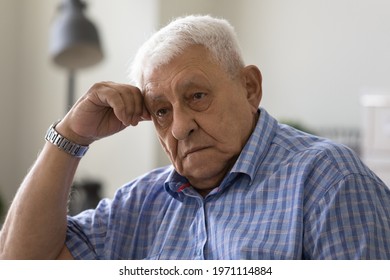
pixel 202 115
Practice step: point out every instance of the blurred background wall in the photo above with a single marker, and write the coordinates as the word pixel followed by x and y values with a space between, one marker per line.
pixel 317 58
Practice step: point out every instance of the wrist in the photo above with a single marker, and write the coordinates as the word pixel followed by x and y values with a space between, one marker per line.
pixel 64 143
pixel 65 129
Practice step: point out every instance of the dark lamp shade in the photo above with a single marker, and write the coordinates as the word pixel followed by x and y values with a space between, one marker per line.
pixel 74 41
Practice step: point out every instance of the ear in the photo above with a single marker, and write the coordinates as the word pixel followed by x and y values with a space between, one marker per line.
pixel 252 79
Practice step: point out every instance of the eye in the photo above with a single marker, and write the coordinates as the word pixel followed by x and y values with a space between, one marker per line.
pixel 198 95
pixel 161 112
pixel 200 101
pixel 163 117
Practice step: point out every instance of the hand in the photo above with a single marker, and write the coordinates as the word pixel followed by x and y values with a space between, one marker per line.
pixel 105 109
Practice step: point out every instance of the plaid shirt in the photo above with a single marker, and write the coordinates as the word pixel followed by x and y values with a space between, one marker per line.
pixel 290 195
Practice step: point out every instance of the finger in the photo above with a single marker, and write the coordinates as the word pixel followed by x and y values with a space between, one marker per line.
pixel 138 103
pixel 133 103
pixel 105 95
pixel 141 113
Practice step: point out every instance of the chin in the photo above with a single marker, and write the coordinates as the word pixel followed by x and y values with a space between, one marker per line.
pixel 205 177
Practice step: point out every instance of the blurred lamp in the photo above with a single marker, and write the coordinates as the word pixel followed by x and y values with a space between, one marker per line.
pixel 74 41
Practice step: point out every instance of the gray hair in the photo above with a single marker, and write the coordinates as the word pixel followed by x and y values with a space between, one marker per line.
pixel 216 35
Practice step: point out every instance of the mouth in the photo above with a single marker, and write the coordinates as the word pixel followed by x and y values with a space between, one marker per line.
pixel 194 150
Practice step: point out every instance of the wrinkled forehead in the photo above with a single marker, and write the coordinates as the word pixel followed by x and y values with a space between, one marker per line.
pixel 193 66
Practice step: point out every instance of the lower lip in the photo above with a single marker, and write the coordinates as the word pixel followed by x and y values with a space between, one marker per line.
pixel 194 152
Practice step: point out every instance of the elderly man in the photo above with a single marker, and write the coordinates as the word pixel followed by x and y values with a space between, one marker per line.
pixel 241 185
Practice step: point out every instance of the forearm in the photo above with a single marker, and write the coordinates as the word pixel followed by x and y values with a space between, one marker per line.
pixel 35 226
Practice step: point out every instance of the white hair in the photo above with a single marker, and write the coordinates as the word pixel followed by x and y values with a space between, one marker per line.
pixel 216 35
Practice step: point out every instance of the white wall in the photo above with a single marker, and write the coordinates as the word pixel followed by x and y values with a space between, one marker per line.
pixel 317 57
pixel 8 115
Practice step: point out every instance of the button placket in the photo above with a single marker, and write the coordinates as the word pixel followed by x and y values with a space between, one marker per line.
pixel 201 229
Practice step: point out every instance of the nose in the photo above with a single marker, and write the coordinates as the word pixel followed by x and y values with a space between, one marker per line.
pixel 183 123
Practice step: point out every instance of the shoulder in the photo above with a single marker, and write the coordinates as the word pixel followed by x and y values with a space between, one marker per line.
pixel 302 146
pixel 321 165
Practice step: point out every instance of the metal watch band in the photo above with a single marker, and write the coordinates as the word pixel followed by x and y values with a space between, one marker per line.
pixel 63 143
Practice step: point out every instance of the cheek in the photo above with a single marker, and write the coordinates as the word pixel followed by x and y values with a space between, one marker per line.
pixel 169 144
pixel 232 130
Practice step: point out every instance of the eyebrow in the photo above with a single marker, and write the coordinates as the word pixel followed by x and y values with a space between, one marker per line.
pixel 194 80
pixel 154 98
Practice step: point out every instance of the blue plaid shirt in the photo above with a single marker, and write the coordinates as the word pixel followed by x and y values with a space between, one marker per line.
pixel 290 195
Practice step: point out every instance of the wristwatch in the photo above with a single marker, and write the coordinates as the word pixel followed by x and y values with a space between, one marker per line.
pixel 63 143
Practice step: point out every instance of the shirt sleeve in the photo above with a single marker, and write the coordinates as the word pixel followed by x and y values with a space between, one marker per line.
pixel 86 233
pixel 350 221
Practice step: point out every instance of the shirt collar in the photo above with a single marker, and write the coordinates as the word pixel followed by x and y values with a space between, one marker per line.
pixel 257 145
pixel 247 163
pixel 175 185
